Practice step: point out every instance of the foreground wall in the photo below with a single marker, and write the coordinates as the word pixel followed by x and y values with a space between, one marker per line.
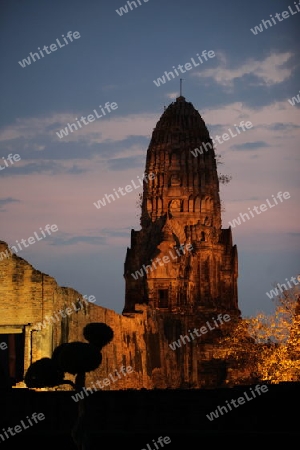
pixel 29 314
pixel 131 419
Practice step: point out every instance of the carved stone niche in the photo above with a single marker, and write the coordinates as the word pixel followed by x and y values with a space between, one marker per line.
pixel 175 180
pixel 207 221
pixel 175 205
pixel 175 161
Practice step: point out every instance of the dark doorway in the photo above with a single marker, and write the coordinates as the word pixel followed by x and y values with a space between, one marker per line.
pixel 12 358
pixel 163 297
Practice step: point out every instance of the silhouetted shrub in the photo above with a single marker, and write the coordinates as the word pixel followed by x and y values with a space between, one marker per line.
pixel 98 334
pixel 43 373
pixel 77 357
pixel 57 351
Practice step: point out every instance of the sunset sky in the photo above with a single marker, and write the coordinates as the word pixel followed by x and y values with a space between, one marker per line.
pixel 115 59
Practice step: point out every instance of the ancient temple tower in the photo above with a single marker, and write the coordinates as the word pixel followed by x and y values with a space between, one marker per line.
pixel 181 261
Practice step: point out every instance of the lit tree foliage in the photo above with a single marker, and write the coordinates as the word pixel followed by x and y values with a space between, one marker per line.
pixel 280 358
pixel 225 179
pixel 267 347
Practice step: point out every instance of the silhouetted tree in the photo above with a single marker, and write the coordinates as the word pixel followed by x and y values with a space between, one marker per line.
pixel 43 373
pixel 98 334
pixel 76 358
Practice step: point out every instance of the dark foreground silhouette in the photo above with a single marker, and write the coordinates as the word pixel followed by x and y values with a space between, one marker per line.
pixel 76 358
pixel 134 418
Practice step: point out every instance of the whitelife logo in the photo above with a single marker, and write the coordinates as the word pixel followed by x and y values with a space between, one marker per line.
pixel 263 207
pixel 187 66
pixel 90 118
pixel 105 382
pixel 11 158
pixel 203 330
pixel 6 254
pixel 165 260
pixel 124 9
pixel 3 346
pixel 18 428
pixel 159 441
pixel 294 100
pixel 77 306
pixel 53 48
pixel 127 188
pixel 31 240
pixel 275 292
pixel 241 401
pixel 225 137
pixel 268 23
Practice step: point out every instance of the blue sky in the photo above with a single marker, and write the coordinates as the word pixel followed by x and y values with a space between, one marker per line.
pixel 116 59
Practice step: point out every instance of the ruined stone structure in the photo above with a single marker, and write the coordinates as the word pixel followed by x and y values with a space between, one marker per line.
pixel 166 301
pixel 181 207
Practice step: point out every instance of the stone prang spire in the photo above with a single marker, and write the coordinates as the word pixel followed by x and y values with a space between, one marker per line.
pixel 181 261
